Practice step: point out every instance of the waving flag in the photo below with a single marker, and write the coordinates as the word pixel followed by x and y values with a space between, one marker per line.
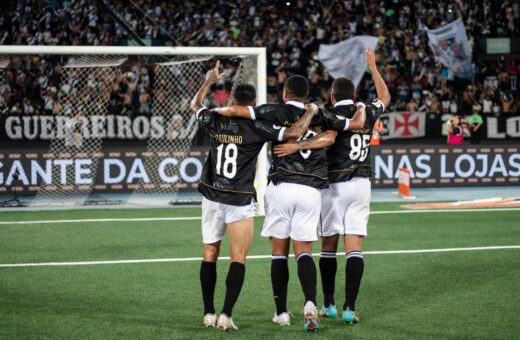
pixel 450 46
pixel 347 58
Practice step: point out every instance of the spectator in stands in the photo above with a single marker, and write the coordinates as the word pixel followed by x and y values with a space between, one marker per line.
pixel 496 109
pixel 513 74
pixel 453 106
pixel 412 105
pixel 507 102
pixel 221 95
pixel 486 102
pixel 475 122
pixel 145 103
pixel 455 132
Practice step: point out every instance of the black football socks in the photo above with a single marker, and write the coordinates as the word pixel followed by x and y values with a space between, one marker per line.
pixel 280 280
pixel 353 273
pixel 307 275
pixel 208 280
pixel 234 282
pixel 328 267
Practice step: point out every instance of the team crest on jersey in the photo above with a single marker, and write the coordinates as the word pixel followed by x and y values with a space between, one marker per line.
pixel 276 127
pixel 340 117
pixel 376 103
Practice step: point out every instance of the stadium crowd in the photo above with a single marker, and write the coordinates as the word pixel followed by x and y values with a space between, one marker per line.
pixel 292 31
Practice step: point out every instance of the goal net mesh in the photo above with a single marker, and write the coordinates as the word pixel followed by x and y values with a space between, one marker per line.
pixel 122 128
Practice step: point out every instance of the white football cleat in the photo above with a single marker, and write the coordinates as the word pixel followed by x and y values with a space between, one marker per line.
pixel 210 320
pixel 225 323
pixel 311 322
pixel 283 319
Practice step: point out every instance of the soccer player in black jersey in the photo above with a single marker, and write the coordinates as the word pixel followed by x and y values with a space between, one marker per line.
pixel 229 194
pixel 292 198
pixel 346 203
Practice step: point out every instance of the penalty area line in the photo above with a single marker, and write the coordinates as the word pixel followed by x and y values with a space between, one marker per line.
pixel 251 257
pixel 195 218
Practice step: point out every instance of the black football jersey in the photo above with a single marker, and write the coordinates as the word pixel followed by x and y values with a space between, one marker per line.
pixel 229 172
pixel 349 156
pixel 307 167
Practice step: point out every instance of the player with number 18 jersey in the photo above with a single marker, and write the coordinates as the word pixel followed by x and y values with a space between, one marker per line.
pixel 229 172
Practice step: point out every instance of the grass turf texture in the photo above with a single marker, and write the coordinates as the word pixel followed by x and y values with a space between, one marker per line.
pixel 415 296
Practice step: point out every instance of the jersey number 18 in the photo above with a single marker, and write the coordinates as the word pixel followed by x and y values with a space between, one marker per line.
pixel 229 166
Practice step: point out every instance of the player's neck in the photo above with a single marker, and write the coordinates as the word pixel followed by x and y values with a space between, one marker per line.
pixel 295 99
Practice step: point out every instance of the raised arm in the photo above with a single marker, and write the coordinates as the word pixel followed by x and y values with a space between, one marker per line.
pixel 212 76
pixel 320 141
pixel 382 91
pixel 358 120
pixel 235 111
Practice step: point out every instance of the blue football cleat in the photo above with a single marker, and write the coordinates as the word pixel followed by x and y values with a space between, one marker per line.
pixel 349 316
pixel 329 312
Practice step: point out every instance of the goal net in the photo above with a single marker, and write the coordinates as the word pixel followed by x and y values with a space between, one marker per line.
pixel 103 125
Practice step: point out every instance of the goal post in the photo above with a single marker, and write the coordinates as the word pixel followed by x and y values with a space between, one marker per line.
pixel 89 80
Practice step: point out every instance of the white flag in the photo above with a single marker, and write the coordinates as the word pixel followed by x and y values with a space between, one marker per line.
pixel 347 58
pixel 450 46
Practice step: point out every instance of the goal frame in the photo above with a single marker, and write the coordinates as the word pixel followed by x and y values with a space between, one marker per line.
pixel 258 52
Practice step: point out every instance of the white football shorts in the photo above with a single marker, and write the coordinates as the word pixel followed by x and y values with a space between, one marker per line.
pixel 215 217
pixel 345 208
pixel 291 210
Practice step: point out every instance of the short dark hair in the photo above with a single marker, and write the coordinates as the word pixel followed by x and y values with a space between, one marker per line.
pixel 343 88
pixel 244 94
pixel 297 86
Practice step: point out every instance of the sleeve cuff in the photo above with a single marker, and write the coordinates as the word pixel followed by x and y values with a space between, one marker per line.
pixel 252 112
pixel 382 105
pixel 280 134
pixel 347 124
pixel 199 111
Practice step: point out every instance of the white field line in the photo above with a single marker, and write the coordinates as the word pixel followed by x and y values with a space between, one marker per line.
pixel 151 219
pixel 143 219
pixel 251 257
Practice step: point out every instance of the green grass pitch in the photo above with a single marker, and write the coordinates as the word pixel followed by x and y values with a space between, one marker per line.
pixel 441 295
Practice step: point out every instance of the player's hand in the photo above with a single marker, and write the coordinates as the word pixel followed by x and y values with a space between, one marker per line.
pixel 358 121
pixel 286 149
pixel 370 57
pixel 312 108
pixel 214 75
